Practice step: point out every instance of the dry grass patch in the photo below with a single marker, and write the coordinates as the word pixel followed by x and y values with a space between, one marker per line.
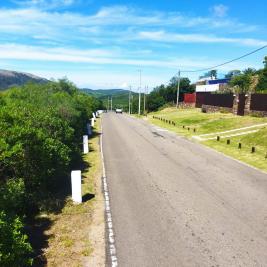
pixel 69 243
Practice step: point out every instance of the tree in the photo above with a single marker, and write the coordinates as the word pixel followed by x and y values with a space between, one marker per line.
pixel 265 62
pixel 154 101
pixel 213 73
pixel 242 81
pixel 249 71
pixel 262 84
pixel 210 74
pixel 232 73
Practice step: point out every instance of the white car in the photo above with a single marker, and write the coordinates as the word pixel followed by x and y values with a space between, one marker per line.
pixel 118 110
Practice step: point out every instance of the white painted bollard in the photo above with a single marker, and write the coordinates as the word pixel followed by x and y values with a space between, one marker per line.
pixel 89 129
pixel 85 144
pixel 94 116
pixel 76 186
pixel 92 122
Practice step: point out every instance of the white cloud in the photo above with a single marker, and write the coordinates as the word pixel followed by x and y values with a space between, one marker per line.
pixel 93 56
pixel 162 36
pixel 45 4
pixel 219 10
pixel 99 57
pixel 116 31
pixel 107 23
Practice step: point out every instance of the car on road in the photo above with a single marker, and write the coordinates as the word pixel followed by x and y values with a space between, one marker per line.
pixel 118 110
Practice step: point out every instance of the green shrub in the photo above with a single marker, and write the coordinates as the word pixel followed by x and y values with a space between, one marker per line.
pixel 14 247
pixel 12 197
pixel 41 128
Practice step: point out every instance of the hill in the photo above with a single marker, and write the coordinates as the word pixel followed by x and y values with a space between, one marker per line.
pixel 14 78
pixel 120 97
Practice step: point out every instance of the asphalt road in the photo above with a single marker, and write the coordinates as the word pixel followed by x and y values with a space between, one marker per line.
pixel 178 203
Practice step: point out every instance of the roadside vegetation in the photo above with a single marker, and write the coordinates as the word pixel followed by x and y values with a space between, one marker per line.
pixel 192 122
pixel 258 140
pixel 70 243
pixel 41 128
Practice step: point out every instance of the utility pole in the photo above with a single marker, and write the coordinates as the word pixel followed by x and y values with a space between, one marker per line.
pixel 140 85
pixel 178 88
pixel 111 103
pixel 130 94
pixel 108 104
pixel 145 99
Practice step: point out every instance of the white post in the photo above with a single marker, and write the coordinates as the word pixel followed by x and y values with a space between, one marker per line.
pixel 130 92
pixel 145 100
pixel 94 116
pixel 178 89
pixel 139 99
pixel 92 122
pixel 76 186
pixel 89 129
pixel 85 144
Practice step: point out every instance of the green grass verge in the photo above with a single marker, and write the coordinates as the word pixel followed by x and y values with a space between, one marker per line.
pixel 205 123
pixel 258 140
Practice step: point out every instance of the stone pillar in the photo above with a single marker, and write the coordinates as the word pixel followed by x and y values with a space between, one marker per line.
pixel 247 104
pixel 235 104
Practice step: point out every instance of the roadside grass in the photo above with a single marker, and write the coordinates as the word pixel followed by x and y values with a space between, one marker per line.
pixel 257 140
pixel 205 123
pixel 69 242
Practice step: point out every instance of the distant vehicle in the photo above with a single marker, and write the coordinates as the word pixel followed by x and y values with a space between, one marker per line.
pixel 118 110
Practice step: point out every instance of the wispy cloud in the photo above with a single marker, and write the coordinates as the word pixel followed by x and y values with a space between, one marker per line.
pixel 44 4
pixel 162 36
pixel 37 23
pixel 219 10
pixel 42 33
pixel 98 57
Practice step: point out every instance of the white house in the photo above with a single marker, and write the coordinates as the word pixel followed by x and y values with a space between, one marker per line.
pixel 210 85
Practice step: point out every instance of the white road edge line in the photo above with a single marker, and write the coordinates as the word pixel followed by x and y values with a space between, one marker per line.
pixel 225 136
pixel 235 130
pixel 111 237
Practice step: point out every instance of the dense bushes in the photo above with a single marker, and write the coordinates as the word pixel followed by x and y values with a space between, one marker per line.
pixel 41 127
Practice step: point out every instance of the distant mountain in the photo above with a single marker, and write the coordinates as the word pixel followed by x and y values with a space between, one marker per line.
pixel 14 78
pixel 120 97
pixel 105 92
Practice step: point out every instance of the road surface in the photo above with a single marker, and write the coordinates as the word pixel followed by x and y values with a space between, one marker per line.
pixel 178 203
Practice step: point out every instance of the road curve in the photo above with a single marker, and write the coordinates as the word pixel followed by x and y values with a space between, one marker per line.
pixel 178 203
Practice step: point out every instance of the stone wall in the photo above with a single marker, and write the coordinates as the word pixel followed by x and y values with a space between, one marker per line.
pixel 211 109
pixel 243 104
pixel 257 113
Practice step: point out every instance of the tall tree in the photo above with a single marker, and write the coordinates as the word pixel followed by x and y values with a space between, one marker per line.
pixel 262 84
pixel 213 73
pixel 232 73
pixel 242 81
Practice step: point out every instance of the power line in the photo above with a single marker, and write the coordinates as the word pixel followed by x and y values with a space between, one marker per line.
pixel 227 62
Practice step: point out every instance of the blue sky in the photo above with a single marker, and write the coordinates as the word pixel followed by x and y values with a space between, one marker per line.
pixel 102 44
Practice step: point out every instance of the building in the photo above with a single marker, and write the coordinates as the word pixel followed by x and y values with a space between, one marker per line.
pixel 210 85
